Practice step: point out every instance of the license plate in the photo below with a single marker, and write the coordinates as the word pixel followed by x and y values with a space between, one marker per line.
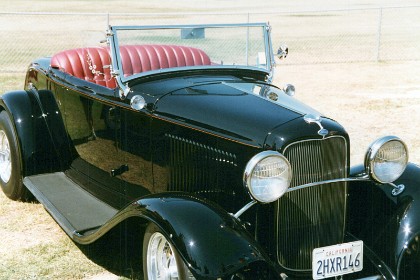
pixel 337 260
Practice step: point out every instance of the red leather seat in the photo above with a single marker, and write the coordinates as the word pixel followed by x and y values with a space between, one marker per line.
pixel 142 58
pixel 88 63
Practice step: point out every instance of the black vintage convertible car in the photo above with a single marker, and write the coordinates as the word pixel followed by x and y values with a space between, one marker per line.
pixel 179 129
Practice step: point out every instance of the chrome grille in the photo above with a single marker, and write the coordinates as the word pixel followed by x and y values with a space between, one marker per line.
pixel 312 217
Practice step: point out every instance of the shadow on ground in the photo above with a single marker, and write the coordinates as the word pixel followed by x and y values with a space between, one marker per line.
pixel 119 251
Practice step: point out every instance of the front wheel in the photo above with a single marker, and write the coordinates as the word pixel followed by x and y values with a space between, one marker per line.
pixel 10 161
pixel 160 258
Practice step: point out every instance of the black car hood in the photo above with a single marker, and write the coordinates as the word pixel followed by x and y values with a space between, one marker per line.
pixel 229 110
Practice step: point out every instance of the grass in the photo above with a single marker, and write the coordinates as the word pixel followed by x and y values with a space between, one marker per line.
pixel 11 81
pixel 58 259
pixel 33 246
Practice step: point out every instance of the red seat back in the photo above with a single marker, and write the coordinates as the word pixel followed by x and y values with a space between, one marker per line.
pixel 88 63
pixel 142 58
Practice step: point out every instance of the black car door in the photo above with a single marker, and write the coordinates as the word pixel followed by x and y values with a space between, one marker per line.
pixel 109 142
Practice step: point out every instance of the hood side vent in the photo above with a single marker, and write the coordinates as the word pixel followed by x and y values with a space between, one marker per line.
pixel 199 168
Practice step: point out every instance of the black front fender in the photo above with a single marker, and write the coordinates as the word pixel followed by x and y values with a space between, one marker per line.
pixel 38 124
pixel 212 242
pixel 387 224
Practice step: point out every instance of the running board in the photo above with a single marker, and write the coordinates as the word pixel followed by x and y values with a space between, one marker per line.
pixel 75 210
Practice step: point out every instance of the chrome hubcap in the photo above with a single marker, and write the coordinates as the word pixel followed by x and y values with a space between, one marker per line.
pixel 5 158
pixel 161 263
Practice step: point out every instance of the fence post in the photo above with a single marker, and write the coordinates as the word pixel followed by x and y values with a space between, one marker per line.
pixel 378 46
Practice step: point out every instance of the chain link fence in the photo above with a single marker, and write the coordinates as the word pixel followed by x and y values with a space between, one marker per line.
pixel 335 36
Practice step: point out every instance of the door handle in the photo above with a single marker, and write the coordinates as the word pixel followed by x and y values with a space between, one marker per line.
pixel 120 170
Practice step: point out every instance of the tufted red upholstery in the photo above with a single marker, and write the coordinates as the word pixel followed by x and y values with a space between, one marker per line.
pixel 77 62
pixel 88 63
pixel 137 59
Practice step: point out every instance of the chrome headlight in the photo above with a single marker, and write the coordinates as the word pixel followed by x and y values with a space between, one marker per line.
pixel 267 176
pixel 386 159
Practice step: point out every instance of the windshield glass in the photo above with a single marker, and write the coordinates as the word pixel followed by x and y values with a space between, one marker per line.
pixel 143 50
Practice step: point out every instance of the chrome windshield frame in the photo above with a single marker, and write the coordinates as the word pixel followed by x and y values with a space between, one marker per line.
pixel 122 81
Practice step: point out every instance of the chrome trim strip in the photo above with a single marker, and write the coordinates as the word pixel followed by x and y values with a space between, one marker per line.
pixel 328 182
pixel 243 209
pixel 251 203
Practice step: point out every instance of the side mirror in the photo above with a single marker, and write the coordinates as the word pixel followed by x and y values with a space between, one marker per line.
pixel 289 89
pixel 282 52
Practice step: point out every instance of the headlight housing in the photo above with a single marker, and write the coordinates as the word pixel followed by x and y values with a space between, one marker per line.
pixel 386 159
pixel 267 176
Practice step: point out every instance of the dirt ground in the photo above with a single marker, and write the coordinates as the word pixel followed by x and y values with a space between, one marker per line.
pixel 370 99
